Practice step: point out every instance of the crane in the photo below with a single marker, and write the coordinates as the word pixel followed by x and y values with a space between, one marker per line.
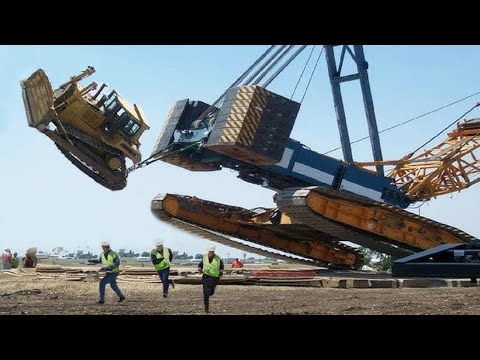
pixel 322 202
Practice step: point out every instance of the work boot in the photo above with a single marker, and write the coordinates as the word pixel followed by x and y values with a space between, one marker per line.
pixel 165 296
pixel 101 301
pixel 172 283
pixel 121 299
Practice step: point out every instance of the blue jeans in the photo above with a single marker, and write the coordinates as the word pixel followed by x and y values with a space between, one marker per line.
pixel 164 277
pixel 110 278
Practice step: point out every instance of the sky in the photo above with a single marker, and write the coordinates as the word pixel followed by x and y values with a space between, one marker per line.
pixel 47 202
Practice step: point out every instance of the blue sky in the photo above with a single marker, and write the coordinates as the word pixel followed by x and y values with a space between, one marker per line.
pixel 47 202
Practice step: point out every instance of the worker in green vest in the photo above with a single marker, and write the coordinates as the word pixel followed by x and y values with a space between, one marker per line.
pixel 111 264
pixel 161 258
pixel 212 268
pixel 15 261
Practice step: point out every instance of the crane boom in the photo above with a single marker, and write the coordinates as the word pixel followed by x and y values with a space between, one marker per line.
pixel 453 165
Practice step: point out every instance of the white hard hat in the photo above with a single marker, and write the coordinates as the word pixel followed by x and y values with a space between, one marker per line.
pixel 159 242
pixel 211 248
pixel 105 243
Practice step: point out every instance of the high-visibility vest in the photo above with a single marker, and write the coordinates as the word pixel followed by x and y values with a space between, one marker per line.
pixel 166 259
pixel 211 268
pixel 109 261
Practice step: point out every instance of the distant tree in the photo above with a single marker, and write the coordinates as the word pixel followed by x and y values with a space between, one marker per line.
pixel 121 252
pixel 183 256
pixel 57 250
pixel 132 253
pixel 145 254
pixel 366 256
pixel 385 263
pixel 82 255
pixel 199 256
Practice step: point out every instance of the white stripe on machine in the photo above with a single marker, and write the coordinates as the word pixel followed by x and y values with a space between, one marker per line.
pixel 313 173
pixel 361 190
pixel 287 156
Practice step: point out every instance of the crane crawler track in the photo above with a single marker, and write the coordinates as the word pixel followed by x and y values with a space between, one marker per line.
pixel 224 237
pixel 297 203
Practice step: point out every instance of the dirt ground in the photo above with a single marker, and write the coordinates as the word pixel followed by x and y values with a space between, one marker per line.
pixel 40 296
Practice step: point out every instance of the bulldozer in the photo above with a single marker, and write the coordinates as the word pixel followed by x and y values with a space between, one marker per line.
pixel 95 131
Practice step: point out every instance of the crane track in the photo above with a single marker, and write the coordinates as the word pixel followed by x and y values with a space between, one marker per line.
pixel 191 202
pixel 213 235
pixel 293 203
pixel 462 235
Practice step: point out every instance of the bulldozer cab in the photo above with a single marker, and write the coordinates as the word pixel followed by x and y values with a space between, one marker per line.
pixel 123 119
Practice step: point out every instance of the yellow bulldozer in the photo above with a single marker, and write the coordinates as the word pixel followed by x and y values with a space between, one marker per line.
pixel 96 131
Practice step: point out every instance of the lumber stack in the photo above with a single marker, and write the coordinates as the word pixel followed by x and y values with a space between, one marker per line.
pixel 284 277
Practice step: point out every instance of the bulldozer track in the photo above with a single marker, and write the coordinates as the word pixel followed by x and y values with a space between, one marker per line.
pixel 224 238
pixel 80 154
pixel 293 203
pixel 72 131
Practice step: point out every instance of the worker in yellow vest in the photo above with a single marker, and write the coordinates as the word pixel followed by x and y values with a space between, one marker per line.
pixel 111 264
pixel 212 268
pixel 161 258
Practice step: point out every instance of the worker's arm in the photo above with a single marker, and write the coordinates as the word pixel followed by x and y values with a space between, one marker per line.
pixel 221 267
pixel 154 259
pixel 171 254
pixel 200 266
pixel 96 261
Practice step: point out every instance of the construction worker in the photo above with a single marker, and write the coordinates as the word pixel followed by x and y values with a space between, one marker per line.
pixel 237 264
pixel 7 259
pixel 161 258
pixel 212 268
pixel 111 264
pixel 14 261
pixel 30 259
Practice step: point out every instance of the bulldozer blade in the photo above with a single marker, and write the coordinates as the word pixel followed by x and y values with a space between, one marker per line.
pixel 38 99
